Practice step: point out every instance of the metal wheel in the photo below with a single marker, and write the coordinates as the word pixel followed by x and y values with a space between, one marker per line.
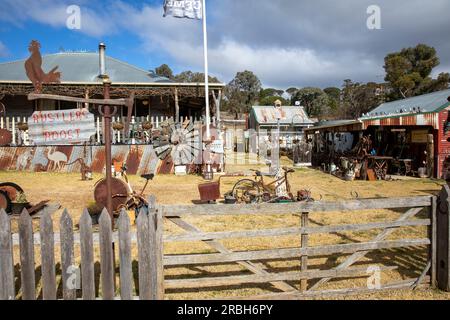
pixel 11 189
pixel 119 192
pixel 246 191
pixel 5 202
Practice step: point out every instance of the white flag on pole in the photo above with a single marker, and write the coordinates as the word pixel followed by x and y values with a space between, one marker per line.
pixel 191 9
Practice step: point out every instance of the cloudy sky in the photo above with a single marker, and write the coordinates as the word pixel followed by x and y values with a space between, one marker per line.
pixel 285 42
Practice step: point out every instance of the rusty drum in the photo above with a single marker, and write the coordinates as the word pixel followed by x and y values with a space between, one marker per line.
pixel 119 192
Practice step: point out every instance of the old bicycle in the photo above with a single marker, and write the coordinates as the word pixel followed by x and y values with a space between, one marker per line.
pixel 123 195
pixel 257 190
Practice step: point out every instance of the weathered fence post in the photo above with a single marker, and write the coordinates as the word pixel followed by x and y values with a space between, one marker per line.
pixel 443 240
pixel 7 291
pixel 106 256
pixel 150 244
pixel 87 257
pixel 144 256
pixel 47 257
pixel 304 246
pixel 126 272
pixel 26 244
pixel 67 257
pixel 156 220
pixel 432 233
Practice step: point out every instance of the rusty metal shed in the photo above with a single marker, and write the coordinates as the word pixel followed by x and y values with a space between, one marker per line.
pixel 423 122
pixel 265 117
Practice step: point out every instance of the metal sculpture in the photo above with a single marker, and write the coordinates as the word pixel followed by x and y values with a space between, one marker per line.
pixel 33 68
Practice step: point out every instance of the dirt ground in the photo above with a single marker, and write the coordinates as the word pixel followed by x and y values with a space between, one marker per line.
pixel 72 193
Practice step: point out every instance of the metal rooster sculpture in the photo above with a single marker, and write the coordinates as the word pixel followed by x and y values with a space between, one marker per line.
pixel 33 68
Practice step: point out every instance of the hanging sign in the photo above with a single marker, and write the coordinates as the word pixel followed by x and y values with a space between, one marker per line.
pixel 217 146
pixel 62 127
pixel 419 136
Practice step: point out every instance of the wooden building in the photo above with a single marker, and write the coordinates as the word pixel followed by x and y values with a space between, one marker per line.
pixel 81 77
pixel 157 100
pixel 414 131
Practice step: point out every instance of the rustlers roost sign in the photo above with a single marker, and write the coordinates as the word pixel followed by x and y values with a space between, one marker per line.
pixel 61 127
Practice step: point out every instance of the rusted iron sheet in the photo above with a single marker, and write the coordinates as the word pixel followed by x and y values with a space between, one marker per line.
pixel 287 114
pixel 134 158
pixel 61 127
pixel 442 145
pixel 166 166
pixel 139 159
pixel 428 119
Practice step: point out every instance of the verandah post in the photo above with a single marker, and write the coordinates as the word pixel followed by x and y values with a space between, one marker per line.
pixel 443 240
pixel 432 233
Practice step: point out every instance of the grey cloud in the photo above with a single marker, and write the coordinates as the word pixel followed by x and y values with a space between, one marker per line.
pixel 285 42
pixel 335 30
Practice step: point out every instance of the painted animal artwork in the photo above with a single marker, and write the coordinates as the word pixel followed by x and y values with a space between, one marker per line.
pixel 23 160
pixel 57 160
pixel 40 161
pixel 33 68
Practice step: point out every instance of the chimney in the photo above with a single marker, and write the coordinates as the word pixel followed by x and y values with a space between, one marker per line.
pixel 101 52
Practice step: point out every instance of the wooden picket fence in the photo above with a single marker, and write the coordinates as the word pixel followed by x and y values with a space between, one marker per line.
pixel 148 237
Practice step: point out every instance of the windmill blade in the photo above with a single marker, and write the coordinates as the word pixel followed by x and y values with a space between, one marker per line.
pixel 162 148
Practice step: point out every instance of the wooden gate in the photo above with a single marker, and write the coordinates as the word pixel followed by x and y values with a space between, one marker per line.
pixel 85 261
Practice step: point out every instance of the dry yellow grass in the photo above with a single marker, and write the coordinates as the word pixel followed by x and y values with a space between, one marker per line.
pixel 73 194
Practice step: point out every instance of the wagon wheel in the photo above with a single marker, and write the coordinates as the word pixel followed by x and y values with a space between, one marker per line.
pixel 246 191
pixel 11 189
pixel 5 201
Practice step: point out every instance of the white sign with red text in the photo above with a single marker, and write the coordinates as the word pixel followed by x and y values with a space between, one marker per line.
pixel 62 127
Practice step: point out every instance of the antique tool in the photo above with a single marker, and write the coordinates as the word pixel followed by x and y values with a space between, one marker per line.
pixel 210 191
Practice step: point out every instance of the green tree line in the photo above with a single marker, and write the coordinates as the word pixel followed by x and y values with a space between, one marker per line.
pixel 408 73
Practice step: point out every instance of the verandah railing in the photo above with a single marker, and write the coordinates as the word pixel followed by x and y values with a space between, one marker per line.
pixel 20 136
pixel 150 279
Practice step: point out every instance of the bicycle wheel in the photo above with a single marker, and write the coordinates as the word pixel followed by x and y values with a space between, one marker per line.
pixel 246 191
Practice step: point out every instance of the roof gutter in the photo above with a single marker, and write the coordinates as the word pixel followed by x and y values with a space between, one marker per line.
pixel 140 84
pixel 334 125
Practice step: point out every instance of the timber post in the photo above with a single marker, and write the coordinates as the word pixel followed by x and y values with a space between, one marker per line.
pixel 443 240
pixel 177 106
pixel 304 246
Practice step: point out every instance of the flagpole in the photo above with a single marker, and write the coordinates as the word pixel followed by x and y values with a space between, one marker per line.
pixel 205 54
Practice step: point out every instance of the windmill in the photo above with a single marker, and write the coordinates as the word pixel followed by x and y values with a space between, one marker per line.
pixel 182 141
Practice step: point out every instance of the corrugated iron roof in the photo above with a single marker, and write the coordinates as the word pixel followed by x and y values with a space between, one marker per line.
pixel 82 67
pixel 267 115
pixel 432 102
pixel 333 124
